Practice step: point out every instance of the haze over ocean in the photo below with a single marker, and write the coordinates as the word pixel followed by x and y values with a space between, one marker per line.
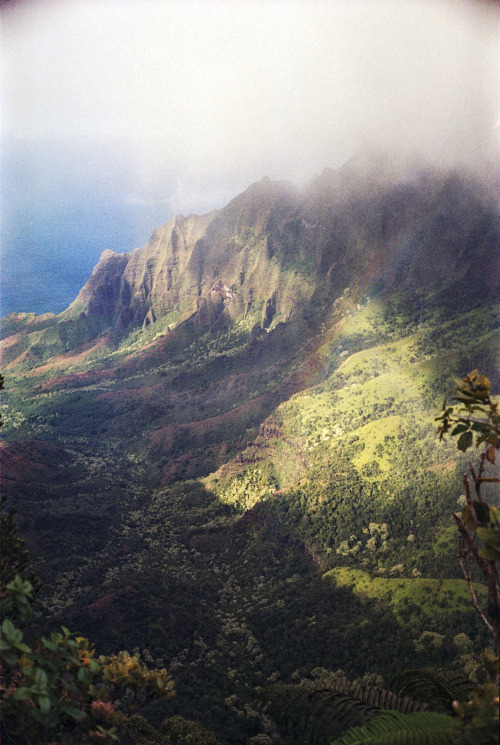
pixel 64 202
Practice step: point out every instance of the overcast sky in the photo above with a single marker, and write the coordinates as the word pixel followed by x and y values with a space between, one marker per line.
pixel 166 106
pixel 252 87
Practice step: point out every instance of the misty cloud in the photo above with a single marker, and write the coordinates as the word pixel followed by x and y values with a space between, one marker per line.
pixel 284 87
pixel 126 112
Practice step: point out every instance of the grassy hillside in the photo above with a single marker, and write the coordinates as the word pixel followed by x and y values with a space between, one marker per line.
pixel 411 597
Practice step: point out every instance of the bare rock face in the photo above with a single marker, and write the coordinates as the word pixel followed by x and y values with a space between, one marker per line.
pixel 209 265
pixel 100 294
pixel 131 290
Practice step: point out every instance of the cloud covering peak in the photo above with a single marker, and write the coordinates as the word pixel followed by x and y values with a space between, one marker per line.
pixel 282 87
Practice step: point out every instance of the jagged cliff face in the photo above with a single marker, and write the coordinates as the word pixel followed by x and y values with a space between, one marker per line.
pixel 130 290
pixel 276 254
pixel 217 264
pixel 274 250
pixel 218 319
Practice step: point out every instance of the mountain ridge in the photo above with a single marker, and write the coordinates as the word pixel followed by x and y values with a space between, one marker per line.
pixel 212 476
pixel 275 251
pixel 226 315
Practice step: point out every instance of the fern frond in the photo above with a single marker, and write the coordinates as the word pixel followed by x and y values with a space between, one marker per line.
pixel 315 716
pixel 382 698
pixel 317 712
pixel 393 728
pixel 439 688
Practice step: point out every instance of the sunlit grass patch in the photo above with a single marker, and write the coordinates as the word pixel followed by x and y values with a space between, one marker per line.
pixel 374 434
pixel 432 597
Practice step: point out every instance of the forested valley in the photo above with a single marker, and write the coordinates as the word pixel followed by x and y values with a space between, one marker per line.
pixel 224 458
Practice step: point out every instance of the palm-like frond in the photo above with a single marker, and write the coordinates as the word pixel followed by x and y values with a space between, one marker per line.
pixel 381 698
pixel 437 687
pixel 393 728
pixel 317 712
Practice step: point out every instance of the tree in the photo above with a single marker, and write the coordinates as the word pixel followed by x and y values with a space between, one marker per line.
pixel 474 417
pixel 14 557
pixel 57 690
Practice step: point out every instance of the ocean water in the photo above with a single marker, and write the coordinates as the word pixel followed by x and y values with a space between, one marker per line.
pixel 62 204
pixel 46 257
pixel 43 269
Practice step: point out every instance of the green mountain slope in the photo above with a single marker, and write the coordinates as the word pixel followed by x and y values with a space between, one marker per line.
pixel 245 404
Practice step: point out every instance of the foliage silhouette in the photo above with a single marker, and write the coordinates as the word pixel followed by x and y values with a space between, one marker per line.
pixel 392 728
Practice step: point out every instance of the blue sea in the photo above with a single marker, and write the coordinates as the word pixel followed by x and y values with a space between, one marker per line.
pixel 62 204
pixel 47 259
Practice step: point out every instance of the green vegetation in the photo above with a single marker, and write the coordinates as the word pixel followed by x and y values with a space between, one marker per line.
pixel 330 708
pixel 424 728
pixel 410 598
pixel 475 417
pixel 57 687
pixel 233 469
pixel 328 469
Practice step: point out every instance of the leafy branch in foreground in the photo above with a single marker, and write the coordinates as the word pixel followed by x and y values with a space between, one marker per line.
pixel 59 688
pixel 14 557
pixel 474 417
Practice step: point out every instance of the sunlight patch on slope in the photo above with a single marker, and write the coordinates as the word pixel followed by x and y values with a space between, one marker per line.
pixel 372 435
pixel 432 597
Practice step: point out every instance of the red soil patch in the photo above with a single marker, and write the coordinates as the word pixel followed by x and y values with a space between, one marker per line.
pixel 72 358
pixel 164 436
pixel 103 606
pixel 76 380
pixel 10 340
pixel 132 394
pixel 27 464
pixel 443 468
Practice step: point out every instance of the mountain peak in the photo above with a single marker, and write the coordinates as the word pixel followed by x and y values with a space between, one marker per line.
pixel 281 253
